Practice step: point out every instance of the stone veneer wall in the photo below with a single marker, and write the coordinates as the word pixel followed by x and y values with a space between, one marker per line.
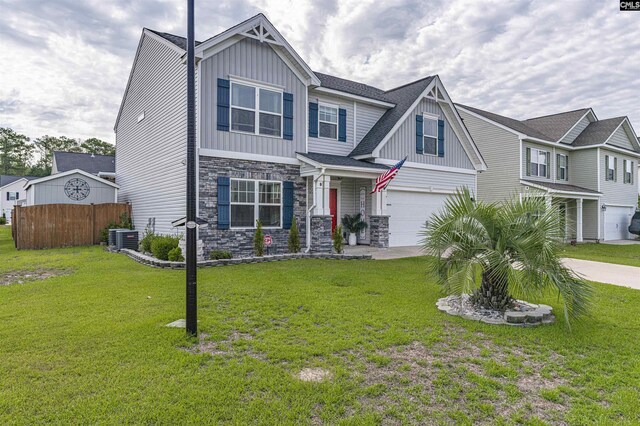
pixel 240 241
pixel 379 231
pixel 321 234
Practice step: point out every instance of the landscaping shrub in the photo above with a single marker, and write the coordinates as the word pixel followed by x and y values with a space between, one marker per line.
pixel 219 254
pixel 3 219
pixel 162 245
pixel 258 240
pixel 175 255
pixel 338 240
pixel 147 239
pixel 294 237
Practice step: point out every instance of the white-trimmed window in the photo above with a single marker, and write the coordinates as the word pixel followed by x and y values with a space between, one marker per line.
pixel 611 165
pixel 538 163
pixel 256 199
pixel 256 110
pixel 328 121
pixel 562 167
pixel 628 171
pixel 12 196
pixel 430 135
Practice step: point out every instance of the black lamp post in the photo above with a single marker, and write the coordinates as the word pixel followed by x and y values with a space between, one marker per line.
pixel 192 292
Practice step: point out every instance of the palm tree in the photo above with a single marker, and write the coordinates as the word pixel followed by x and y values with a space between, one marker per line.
pixel 511 248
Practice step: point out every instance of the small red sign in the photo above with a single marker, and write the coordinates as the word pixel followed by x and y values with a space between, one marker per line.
pixel 268 240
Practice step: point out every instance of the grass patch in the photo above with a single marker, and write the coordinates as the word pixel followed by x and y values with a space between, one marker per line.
pixel 92 347
pixel 621 254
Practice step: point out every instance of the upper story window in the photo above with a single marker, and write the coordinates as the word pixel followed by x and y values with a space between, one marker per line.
pixel 610 167
pixel 328 121
pixel 538 162
pixel 562 171
pixel 430 135
pixel 256 110
pixel 255 199
pixel 12 196
pixel 628 171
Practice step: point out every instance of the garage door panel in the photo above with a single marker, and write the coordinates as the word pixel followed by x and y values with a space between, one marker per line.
pixel 616 222
pixel 408 213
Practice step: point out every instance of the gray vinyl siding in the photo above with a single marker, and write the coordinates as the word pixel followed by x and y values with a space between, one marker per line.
pixel 52 191
pixel 583 169
pixel 618 192
pixel 554 172
pixel 573 134
pixel 590 212
pixel 257 61
pixel 366 117
pixel 150 154
pixel 333 146
pixel 403 142
pixel 620 139
pixel 501 151
pixel 433 180
pixel 350 200
pixel 551 163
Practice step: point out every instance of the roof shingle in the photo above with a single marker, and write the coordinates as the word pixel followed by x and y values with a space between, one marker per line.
pixel 353 87
pixel 563 187
pixel 90 163
pixel 597 132
pixel 556 126
pixel 340 160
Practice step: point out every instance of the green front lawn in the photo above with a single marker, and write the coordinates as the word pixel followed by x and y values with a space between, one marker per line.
pixel 90 346
pixel 609 253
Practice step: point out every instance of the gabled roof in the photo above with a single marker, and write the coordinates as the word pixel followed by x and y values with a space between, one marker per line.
pixel 90 163
pixel 353 87
pixel 7 179
pixel 511 123
pixel 403 97
pixel 555 126
pixel 67 173
pixel 598 132
pixel 179 41
pixel 339 160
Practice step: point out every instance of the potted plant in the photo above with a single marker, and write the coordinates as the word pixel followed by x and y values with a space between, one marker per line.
pixel 353 224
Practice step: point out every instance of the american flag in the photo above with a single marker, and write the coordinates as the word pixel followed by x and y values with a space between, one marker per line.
pixel 383 180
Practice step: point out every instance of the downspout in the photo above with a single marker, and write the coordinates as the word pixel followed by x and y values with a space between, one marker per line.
pixel 322 171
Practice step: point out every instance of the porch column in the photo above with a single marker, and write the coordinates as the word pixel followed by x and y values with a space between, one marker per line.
pixel 379 200
pixel 321 195
pixel 579 220
pixel 548 201
pixel 320 226
pixel 326 186
pixel 379 220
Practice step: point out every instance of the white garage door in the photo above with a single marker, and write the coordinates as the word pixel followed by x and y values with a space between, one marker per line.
pixel 616 223
pixel 408 213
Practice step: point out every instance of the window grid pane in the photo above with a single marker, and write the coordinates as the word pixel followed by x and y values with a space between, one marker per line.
pixel 270 124
pixel 430 127
pixel 327 130
pixel 243 96
pixel 270 101
pixel 328 114
pixel 430 145
pixel 243 120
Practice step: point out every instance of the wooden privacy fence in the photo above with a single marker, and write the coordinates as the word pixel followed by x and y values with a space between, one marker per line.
pixel 63 225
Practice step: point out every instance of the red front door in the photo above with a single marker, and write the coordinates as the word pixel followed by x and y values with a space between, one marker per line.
pixel 333 208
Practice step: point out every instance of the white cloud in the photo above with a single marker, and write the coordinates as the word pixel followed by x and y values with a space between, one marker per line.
pixel 65 63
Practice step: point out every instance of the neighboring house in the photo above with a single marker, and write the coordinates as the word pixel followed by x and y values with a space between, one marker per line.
pixel 70 187
pixel 587 165
pixel 12 193
pixel 100 165
pixel 277 140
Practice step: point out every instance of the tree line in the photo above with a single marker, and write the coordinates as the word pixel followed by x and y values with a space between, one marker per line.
pixel 21 156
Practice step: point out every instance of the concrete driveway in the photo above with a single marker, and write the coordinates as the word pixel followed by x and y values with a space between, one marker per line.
pixel 608 273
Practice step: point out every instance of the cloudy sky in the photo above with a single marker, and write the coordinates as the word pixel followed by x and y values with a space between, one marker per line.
pixel 65 63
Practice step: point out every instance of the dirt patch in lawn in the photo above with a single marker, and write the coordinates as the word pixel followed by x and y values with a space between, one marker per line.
pixel 457 378
pixel 235 344
pixel 24 276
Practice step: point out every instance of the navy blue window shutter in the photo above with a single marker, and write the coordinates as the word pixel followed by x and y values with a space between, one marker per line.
pixel 7 195
pixel 287 99
pixel 223 104
pixel 419 135
pixel 17 195
pixel 342 125
pixel 224 206
pixel 313 120
pixel 440 138
pixel 287 204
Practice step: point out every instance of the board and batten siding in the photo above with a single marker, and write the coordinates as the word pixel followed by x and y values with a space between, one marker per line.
pixel 501 151
pixel 366 117
pixel 150 153
pixel 333 146
pixel 350 200
pixel 432 180
pixel 618 192
pixel 251 59
pixel 573 134
pixel 403 142
pixel 52 191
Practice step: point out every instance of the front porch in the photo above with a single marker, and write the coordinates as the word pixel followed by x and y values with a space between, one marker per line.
pixel 337 186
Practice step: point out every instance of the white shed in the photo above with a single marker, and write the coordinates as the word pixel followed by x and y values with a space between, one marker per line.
pixel 71 187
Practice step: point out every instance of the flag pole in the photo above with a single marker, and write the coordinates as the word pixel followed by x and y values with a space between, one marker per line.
pixel 191 265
